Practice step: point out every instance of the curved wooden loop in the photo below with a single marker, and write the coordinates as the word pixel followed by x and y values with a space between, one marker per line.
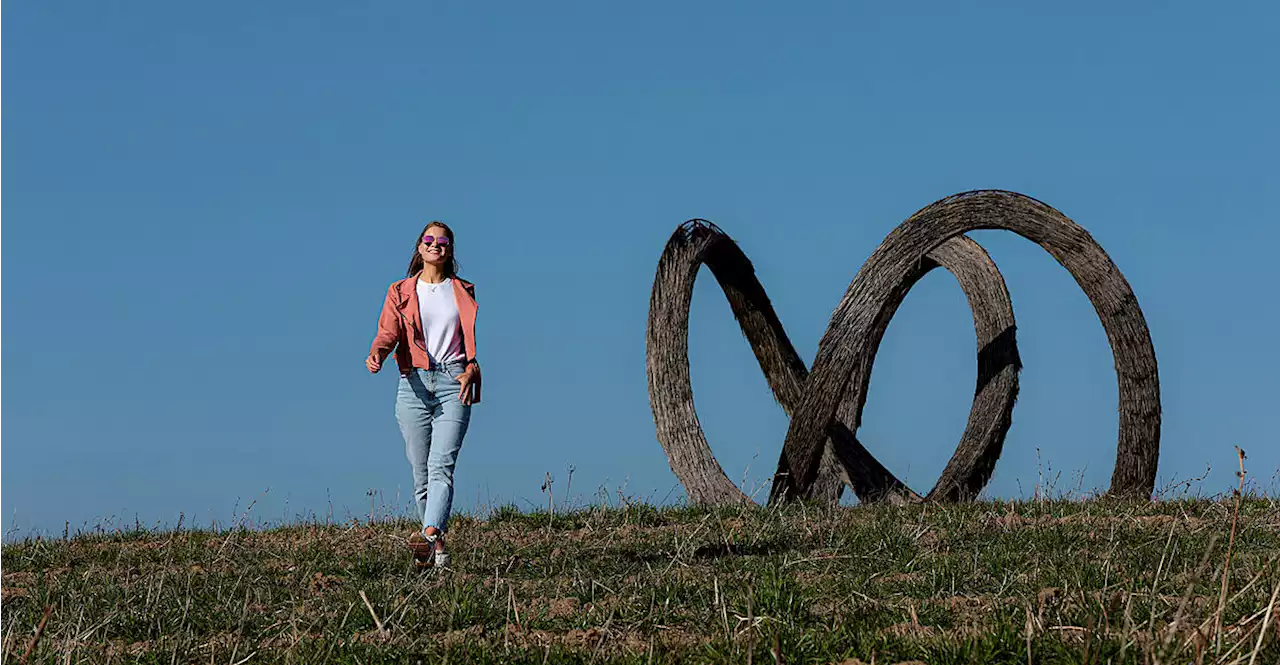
pixel 698 242
pixel 990 415
pixel 848 346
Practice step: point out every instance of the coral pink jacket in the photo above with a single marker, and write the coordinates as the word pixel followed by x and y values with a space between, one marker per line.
pixel 400 327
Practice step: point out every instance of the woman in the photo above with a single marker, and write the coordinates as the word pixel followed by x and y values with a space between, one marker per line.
pixel 428 319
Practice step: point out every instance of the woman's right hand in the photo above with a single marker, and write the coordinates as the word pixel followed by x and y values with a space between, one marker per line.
pixel 373 364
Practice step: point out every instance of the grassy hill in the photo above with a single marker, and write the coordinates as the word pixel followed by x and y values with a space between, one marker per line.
pixel 1092 581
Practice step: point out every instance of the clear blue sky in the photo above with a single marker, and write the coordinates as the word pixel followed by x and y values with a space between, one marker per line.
pixel 204 205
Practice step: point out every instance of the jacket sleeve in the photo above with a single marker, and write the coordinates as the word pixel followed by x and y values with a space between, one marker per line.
pixel 384 342
pixel 471 288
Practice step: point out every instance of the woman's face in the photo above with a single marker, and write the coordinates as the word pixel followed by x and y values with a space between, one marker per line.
pixel 435 246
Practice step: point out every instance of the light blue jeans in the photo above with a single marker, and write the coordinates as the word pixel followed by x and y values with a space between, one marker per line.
pixel 433 421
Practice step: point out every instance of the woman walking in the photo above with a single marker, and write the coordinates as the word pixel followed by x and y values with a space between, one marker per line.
pixel 428 320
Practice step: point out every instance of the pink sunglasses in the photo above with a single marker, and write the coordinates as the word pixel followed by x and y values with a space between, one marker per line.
pixel 443 241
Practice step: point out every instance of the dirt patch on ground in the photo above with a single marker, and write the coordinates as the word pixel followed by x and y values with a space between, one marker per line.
pixel 899 578
pixel 562 607
pixel 464 636
pixel 19 579
pixel 321 582
pixel 12 592
pixel 908 629
pixel 599 638
pixel 540 607
pixel 121 649
pixel 931 541
pixel 968 604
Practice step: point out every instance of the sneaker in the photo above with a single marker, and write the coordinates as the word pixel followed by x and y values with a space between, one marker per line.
pixel 423 548
pixel 442 559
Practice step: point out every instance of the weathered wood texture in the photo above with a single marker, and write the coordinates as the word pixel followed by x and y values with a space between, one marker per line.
pixel 821 453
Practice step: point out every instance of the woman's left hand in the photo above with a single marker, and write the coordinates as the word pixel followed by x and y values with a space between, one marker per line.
pixel 464 379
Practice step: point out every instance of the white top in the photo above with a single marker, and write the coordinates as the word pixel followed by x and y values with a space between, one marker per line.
pixel 440 323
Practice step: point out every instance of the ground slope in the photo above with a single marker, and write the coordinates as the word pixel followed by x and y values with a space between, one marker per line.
pixel 1093 581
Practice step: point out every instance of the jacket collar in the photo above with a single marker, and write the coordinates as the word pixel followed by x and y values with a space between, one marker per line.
pixel 408 289
pixel 464 296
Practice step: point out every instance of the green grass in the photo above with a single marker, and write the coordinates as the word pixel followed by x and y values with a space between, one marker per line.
pixel 1067 581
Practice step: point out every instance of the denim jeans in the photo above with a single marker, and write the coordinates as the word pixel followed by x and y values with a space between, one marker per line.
pixel 433 421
